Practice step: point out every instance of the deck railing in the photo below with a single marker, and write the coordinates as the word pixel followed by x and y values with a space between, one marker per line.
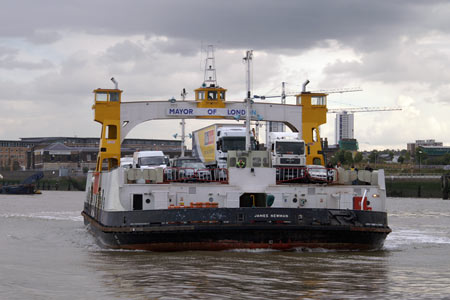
pixel 308 174
pixel 173 174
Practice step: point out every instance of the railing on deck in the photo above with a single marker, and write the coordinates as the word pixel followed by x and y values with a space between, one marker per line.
pixel 173 174
pixel 308 174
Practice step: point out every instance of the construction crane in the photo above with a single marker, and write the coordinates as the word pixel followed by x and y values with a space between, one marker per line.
pixel 362 109
pixel 344 126
pixel 294 94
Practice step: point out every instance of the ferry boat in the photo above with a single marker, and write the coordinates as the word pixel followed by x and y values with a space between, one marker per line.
pixel 249 207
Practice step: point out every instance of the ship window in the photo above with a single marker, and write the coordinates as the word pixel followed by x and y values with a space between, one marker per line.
pixel 315 135
pixel 212 95
pixel 222 95
pixel 111 131
pixel 201 95
pixel 100 96
pixel 104 165
pixel 318 100
pixel 114 97
pixel 256 162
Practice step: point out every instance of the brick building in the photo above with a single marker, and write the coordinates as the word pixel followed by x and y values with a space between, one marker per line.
pixel 14 154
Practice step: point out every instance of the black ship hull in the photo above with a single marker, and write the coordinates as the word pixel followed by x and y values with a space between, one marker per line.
pixel 238 228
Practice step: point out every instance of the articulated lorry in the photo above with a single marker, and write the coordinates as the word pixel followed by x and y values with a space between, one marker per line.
pixel 212 143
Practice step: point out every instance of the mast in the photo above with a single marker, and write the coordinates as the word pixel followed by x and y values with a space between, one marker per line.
pixel 183 124
pixel 248 60
pixel 210 79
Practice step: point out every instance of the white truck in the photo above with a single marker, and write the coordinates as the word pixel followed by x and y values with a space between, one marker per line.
pixel 286 149
pixel 149 159
pixel 287 152
pixel 288 156
pixel 212 143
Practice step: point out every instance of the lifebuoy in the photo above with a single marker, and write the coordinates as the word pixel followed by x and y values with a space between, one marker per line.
pixel 240 164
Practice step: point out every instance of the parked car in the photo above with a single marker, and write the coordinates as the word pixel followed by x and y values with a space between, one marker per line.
pixel 316 173
pixel 188 169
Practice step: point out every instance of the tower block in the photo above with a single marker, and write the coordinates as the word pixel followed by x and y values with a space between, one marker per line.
pixel 107 113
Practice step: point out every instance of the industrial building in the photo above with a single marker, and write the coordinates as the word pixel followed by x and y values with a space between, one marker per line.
pixel 435 150
pixel 411 147
pixel 74 153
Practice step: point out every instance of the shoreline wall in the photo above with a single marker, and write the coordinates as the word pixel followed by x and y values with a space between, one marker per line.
pixel 413 187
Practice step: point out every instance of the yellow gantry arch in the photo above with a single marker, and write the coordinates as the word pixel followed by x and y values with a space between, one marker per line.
pixel 119 118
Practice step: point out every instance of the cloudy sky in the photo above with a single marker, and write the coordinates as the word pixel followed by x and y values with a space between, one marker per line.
pixel 54 53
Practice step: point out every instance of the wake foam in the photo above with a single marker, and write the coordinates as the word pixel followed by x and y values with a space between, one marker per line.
pixel 406 237
pixel 49 215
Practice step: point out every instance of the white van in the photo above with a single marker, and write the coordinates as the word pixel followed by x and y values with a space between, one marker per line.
pixel 149 159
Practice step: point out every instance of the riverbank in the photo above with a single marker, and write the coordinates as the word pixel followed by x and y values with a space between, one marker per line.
pixel 396 186
pixel 416 187
pixel 51 180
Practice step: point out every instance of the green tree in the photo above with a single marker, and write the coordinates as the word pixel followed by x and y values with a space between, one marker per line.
pixel 358 157
pixel 446 159
pixel 391 155
pixel 348 157
pixel 342 156
pixel 373 156
pixel 407 156
pixel 401 159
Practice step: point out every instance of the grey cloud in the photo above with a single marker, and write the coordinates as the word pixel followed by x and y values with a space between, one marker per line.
pixel 181 46
pixel 5 51
pixel 44 37
pixel 125 51
pixel 257 24
pixel 10 62
pixel 403 62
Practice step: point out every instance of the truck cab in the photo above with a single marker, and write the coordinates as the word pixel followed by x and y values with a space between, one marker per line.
pixel 287 149
pixel 230 138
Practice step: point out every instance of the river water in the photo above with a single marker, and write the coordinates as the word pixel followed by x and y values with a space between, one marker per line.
pixel 46 253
